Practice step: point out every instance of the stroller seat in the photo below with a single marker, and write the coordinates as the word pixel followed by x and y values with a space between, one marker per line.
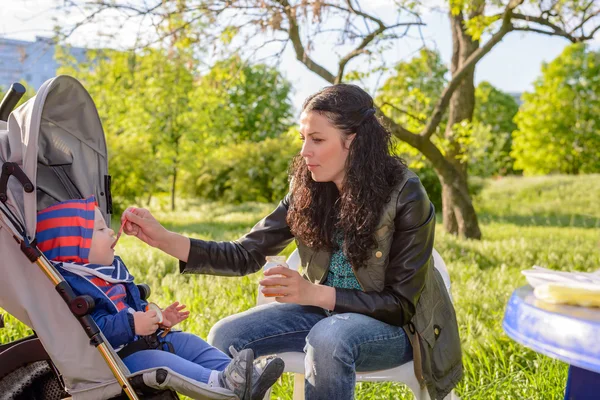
pixel 56 140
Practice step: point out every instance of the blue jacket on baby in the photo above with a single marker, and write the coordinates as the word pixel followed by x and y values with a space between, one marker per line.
pixel 115 319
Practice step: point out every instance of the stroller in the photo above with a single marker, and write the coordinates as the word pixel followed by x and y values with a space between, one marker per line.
pixel 52 148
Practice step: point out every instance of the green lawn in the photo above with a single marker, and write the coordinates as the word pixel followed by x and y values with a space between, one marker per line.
pixel 549 221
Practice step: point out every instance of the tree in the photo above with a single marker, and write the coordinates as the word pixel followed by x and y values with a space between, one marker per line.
pixel 239 111
pixel 142 98
pixel 363 34
pixel 559 122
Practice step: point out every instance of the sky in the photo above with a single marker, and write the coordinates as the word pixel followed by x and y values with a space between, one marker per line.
pixel 512 66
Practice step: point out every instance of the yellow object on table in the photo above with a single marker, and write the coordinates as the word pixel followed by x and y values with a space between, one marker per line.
pixel 576 294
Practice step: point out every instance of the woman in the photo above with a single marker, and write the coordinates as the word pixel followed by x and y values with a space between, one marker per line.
pixel 369 297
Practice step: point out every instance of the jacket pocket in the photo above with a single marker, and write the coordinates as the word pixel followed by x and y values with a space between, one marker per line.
pixel 379 258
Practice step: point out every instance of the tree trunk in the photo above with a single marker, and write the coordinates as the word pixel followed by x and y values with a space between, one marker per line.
pixel 173 188
pixel 457 202
pixel 448 216
pixel 175 170
pixel 458 213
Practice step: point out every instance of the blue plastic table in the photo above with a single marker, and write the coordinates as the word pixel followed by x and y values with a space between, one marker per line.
pixel 570 334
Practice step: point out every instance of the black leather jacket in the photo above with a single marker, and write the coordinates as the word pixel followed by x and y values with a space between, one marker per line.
pixel 405 274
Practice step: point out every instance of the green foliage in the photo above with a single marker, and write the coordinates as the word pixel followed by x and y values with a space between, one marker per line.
pixel 559 123
pixel 480 24
pixel 549 221
pixel 487 138
pixel 247 171
pixel 491 132
pixel 408 97
pixel 432 185
pixel 238 102
pixel 495 108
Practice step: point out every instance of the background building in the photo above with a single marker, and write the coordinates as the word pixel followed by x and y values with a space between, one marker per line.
pixel 32 62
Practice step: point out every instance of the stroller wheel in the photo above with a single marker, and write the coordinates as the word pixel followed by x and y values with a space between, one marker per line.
pixel 35 381
pixel 47 387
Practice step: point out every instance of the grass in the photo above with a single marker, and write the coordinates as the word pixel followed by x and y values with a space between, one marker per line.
pixel 548 221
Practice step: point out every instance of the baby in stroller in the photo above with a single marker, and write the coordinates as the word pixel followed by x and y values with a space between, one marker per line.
pixel 74 235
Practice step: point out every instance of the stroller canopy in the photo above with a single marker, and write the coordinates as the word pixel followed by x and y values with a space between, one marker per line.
pixel 57 139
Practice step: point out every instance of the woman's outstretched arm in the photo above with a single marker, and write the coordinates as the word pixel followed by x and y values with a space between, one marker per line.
pixel 230 258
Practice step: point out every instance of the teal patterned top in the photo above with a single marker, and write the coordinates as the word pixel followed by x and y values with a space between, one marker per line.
pixel 340 273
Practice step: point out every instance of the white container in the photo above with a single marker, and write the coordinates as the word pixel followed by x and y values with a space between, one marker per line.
pixel 272 261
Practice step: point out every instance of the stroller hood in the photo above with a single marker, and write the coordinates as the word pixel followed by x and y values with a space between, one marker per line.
pixel 57 139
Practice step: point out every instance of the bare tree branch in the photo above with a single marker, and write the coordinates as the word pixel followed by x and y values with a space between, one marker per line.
pixel 365 15
pixel 535 30
pixel 585 19
pixel 593 32
pixel 401 132
pixel 360 49
pixel 84 21
pixel 404 112
pixel 128 7
pixel 294 32
pixel 558 31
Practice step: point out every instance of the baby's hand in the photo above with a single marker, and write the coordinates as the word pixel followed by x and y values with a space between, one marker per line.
pixel 173 315
pixel 146 323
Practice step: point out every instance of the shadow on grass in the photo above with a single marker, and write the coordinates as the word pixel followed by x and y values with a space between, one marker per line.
pixel 460 253
pixel 549 220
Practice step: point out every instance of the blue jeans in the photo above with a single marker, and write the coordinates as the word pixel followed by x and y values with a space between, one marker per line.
pixel 335 346
pixel 193 357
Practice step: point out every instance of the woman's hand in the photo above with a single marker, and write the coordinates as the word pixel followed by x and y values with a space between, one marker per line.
pixel 292 288
pixel 146 323
pixel 142 224
pixel 173 315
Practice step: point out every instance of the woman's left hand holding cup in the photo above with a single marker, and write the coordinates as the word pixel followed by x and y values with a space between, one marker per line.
pixel 287 286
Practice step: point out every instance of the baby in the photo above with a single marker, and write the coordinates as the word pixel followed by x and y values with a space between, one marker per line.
pixel 74 235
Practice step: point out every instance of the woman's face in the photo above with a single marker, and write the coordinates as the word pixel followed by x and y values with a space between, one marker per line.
pixel 325 148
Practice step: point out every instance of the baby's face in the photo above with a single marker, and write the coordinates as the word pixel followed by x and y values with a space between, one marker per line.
pixel 102 239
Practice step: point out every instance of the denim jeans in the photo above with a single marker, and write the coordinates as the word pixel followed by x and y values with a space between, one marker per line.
pixel 335 346
pixel 193 357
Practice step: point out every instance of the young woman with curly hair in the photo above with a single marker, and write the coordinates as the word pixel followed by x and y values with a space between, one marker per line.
pixel 368 297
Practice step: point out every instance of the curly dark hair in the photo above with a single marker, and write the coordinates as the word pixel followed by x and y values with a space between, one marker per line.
pixel 318 211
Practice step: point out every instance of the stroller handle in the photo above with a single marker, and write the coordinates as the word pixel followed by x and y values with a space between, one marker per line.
pixel 10 100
